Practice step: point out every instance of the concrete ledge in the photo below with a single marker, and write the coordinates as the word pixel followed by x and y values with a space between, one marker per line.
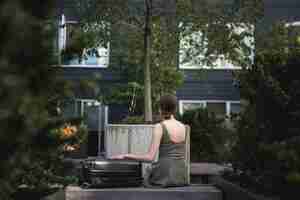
pixel 233 191
pixel 203 172
pixel 207 169
pixel 194 192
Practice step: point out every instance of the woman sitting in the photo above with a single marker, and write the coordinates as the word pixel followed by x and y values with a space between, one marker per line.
pixel 169 139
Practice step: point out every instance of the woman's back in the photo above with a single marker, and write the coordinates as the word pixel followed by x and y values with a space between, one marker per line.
pixel 171 167
pixel 169 139
pixel 175 130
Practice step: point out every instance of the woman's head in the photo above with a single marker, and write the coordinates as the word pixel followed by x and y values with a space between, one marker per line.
pixel 168 104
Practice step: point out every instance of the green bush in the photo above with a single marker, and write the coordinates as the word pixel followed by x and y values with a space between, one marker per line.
pixel 211 140
pixel 244 151
pixel 270 169
pixel 133 120
pixel 31 91
pixel 266 155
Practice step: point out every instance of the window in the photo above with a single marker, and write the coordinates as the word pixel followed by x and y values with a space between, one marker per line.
pixel 193 47
pixel 95 114
pixel 294 34
pixel 73 46
pixel 235 108
pixel 190 105
pixel 219 107
pixel 192 50
pixel 81 105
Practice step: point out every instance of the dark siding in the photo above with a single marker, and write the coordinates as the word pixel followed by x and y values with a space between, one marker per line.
pixel 286 13
pixel 282 3
pixel 75 73
pixel 106 79
pixel 67 7
pixel 207 75
pixel 208 85
pixel 278 10
pixel 116 113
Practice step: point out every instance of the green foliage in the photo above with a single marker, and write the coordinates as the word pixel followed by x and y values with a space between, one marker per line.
pixel 246 141
pixel 211 141
pixel 133 120
pixel 44 166
pixel 125 31
pixel 130 95
pixel 166 77
pixel 267 147
pixel 71 133
pixel 84 42
pixel 271 169
pixel 30 94
pixel 218 22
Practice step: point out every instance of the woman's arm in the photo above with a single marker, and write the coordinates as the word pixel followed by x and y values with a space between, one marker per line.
pixel 154 146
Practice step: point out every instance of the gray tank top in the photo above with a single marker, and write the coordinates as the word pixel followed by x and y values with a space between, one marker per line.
pixel 170 169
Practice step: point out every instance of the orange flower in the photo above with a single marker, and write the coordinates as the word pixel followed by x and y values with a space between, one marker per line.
pixel 68 131
pixel 68 147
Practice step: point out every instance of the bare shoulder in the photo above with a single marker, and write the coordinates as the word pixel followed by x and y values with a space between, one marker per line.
pixel 158 128
pixel 182 125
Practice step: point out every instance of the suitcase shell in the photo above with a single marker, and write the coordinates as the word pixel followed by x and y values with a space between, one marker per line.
pixel 111 173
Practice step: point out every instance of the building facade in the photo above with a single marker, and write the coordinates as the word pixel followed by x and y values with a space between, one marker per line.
pixel 215 88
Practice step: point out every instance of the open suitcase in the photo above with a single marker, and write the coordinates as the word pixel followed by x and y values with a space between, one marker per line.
pixel 96 173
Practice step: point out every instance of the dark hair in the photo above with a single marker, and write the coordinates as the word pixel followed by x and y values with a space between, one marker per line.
pixel 168 104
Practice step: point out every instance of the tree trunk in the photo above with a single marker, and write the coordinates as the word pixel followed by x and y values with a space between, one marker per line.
pixel 147 62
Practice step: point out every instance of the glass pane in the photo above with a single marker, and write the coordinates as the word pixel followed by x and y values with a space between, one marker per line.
pixel 68 109
pixel 77 54
pixel 78 108
pixel 294 35
pixel 235 108
pixel 218 108
pixel 191 106
pixel 92 114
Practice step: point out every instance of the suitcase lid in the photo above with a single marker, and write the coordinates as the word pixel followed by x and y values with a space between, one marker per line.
pixel 113 165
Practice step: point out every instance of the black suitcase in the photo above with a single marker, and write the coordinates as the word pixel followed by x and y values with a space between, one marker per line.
pixel 96 173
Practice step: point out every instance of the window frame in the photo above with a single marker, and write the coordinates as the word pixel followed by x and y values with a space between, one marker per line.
pixel 62 42
pixel 227 104
pixel 181 102
pixel 295 23
pixel 292 24
pixel 82 101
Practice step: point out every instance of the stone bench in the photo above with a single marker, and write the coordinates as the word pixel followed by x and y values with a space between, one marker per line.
pixel 193 192
pixel 203 172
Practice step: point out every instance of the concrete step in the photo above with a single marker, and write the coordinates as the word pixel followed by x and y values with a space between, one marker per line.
pixel 192 192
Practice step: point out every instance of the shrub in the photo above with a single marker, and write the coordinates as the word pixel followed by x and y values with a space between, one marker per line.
pixel 211 141
pixel 133 120
pixel 270 169
pixel 267 148
pixel 30 90
pixel 43 165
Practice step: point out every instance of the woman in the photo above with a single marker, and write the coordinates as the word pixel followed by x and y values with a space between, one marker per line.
pixel 169 139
